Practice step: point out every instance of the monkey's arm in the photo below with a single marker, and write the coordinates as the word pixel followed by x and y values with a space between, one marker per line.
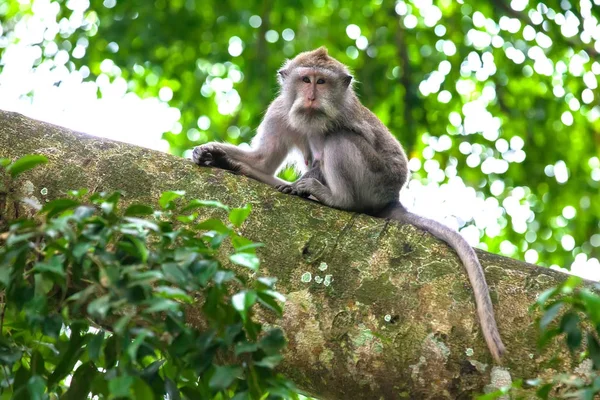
pixel 269 150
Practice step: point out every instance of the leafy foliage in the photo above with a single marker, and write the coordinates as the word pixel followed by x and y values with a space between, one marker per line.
pixel 572 312
pixel 95 302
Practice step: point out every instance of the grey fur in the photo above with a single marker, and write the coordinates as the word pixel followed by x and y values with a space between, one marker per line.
pixel 356 163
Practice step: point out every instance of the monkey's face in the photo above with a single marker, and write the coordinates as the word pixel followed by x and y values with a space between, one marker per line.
pixel 316 95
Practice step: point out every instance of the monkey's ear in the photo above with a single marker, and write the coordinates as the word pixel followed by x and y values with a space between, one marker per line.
pixel 283 73
pixel 347 79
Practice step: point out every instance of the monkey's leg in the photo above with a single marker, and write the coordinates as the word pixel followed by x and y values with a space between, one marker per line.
pixel 311 186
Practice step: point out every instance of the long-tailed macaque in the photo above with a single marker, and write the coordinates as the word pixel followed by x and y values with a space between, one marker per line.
pixel 355 162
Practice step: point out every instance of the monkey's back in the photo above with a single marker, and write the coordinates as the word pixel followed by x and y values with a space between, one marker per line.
pixel 389 157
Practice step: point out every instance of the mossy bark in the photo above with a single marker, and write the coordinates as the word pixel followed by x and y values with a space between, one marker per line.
pixel 374 309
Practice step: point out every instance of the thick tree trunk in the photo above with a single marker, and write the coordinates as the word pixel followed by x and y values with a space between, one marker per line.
pixel 374 310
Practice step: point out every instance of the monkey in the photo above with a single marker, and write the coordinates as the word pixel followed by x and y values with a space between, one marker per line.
pixel 355 163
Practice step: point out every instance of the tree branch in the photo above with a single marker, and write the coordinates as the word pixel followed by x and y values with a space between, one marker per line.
pixel 387 312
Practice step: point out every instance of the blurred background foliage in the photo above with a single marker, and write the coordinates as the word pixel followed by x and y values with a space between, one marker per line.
pixel 496 102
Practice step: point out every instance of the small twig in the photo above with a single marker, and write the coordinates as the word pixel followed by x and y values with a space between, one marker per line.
pixel 2 316
pixel 6 374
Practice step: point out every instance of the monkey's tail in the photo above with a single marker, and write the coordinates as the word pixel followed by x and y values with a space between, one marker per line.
pixel 469 259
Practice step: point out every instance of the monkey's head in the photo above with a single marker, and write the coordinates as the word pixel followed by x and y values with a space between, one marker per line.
pixel 316 87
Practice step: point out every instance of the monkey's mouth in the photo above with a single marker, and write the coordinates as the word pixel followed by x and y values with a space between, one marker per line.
pixel 311 111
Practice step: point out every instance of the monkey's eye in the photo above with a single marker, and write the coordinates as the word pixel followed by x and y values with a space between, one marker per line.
pixel 320 81
pixel 306 79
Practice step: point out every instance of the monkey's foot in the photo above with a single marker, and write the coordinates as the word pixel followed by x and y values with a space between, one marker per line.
pixel 292 189
pixel 211 155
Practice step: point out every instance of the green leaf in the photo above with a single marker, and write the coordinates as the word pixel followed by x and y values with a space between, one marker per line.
pixel 37 363
pixel 78 193
pixel 53 266
pixel 237 216
pixel 270 298
pixel 81 383
pixel 245 347
pixel 81 249
pixel 151 371
pixel 95 346
pixel 272 342
pixel 119 386
pixel 187 219
pixel 52 325
pixel 99 307
pixel 141 390
pixel 25 163
pixel 36 387
pixel 594 351
pixel 544 391
pixel 172 390
pixel 173 293
pixel 550 314
pixel 245 260
pixel 570 284
pixel 142 224
pixel 57 206
pixel 569 324
pixel 242 396
pixel 166 198
pixel 68 360
pixel 132 349
pixel 591 302
pixel 174 273
pixel 140 246
pixel 108 208
pixel 14 239
pixel 114 197
pixel 266 282
pixel 195 203
pixel 243 301
pixel 224 377
pixel 212 224
pixel 223 276
pixel 270 361
pixel 217 240
pixel 4 162
pixel 204 270
pixel 138 210
pixel 493 395
pixel 122 324
pixel 9 354
pixel 111 351
pixel 248 248
pixel 158 305
pixel 21 377
pixel 545 295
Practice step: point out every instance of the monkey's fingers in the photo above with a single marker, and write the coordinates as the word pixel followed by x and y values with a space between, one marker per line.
pixel 300 193
pixel 202 157
pixel 287 189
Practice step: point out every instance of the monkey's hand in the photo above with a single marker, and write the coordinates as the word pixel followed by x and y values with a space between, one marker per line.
pixel 212 155
pixel 293 189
